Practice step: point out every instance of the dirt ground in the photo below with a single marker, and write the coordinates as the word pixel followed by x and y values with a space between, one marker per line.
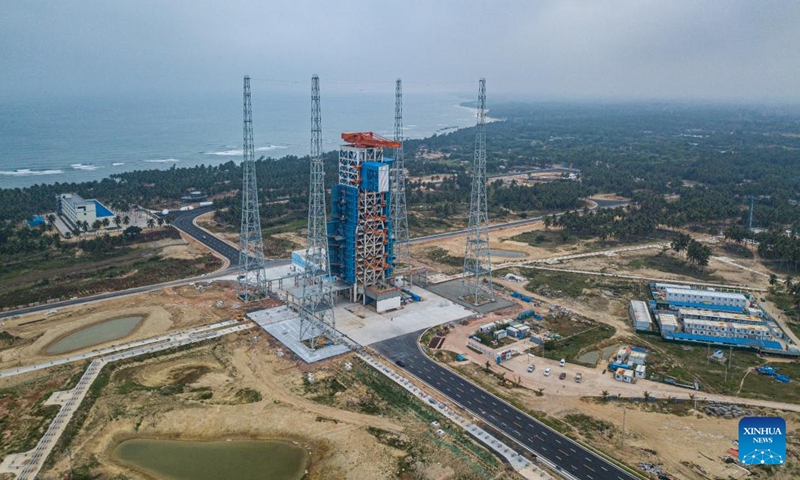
pixel 163 311
pixel 197 395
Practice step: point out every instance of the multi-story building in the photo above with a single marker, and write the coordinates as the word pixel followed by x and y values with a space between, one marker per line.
pixel 726 329
pixel 667 322
pixel 73 208
pixel 682 297
pixel 712 315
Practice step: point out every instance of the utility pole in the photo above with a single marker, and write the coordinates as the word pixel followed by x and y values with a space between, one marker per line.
pixel 251 283
pixel 399 211
pixel 476 286
pixel 623 425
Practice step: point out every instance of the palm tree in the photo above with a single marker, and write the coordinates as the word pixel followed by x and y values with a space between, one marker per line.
pixel 604 394
pixel 151 223
pixel 51 218
pixel 646 395
pixel 117 221
pixel 126 220
pixel 96 225
pixel 160 221
pixel 106 222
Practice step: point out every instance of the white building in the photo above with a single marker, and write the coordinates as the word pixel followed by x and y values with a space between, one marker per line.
pixel 716 316
pixel 489 327
pixel 640 315
pixel 726 329
pixel 640 371
pixel 73 208
pixel 624 375
pixel 668 322
pixel 682 296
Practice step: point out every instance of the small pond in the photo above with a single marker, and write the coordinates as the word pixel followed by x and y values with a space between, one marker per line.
pixel 94 335
pixel 239 459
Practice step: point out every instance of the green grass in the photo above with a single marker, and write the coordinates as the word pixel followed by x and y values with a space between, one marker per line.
pixel 570 347
pixel 548 239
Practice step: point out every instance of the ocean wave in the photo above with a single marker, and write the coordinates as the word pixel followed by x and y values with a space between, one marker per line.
pixel 233 153
pixel 84 166
pixel 27 172
pixel 163 160
pixel 117 164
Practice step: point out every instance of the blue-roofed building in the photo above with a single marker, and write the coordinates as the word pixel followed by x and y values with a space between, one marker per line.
pixel 74 209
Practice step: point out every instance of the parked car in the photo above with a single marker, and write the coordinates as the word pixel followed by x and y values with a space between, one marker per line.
pixel 562 376
pixel 401 364
pixel 546 372
pixel 578 378
pixel 531 368
pixel 562 362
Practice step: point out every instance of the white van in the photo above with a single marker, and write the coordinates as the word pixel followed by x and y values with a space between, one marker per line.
pixel 546 372
pixel 562 363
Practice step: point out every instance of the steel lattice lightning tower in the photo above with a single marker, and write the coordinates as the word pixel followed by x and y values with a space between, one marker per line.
pixel 317 245
pixel 251 282
pixel 477 283
pixel 316 304
pixel 399 211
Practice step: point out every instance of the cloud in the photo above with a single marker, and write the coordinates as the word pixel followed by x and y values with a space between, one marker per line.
pixel 683 49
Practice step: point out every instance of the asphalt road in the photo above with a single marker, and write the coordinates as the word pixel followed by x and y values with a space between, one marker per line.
pixel 545 442
pixel 183 222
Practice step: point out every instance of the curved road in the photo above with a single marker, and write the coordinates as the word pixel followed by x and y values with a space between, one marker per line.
pixel 568 456
pixel 184 221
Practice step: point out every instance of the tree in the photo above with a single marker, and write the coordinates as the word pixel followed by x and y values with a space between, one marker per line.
pixel 547 222
pixel 681 242
pixel 96 225
pixel 106 222
pixel 646 395
pixel 160 221
pixel 126 220
pixel 773 279
pixel 151 223
pixel 117 221
pixel 51 218
pixel 132 232
pixel 698 253
pixel 604 394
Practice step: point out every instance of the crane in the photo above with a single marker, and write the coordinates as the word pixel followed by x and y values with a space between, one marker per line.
pixel 369 140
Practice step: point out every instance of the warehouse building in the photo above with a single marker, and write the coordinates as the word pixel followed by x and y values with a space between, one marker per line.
pixel 73 209
pixel 640 316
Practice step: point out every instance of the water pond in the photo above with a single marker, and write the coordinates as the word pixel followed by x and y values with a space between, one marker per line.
pixel 239 459
pixel 95 335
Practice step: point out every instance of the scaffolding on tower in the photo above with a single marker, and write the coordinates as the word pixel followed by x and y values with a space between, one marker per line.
pixel 476 286
pixel 251 283
pixel 360 235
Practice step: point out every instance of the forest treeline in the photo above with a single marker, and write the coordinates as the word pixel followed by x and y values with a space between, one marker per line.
pixel 682 165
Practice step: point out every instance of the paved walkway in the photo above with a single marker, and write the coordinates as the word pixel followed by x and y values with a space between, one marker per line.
pixel 26 465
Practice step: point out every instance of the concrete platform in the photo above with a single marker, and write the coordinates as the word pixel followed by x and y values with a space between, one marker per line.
pixel 451 290
pixel 284 324
pixel 365 326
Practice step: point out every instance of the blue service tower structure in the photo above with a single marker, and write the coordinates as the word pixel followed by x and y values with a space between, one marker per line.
pixel 360 231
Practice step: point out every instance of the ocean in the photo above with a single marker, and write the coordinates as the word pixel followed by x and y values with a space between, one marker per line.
pixel 80 139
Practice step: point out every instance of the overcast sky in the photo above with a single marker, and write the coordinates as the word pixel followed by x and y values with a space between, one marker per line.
pixel 670 49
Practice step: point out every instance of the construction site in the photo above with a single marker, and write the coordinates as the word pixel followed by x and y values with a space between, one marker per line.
pixel 355 283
